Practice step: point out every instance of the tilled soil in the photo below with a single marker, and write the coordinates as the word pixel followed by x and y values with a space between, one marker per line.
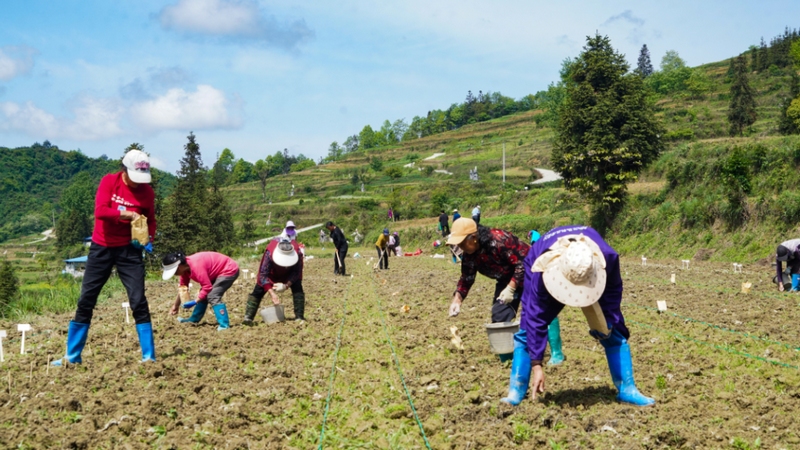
pixel 722 366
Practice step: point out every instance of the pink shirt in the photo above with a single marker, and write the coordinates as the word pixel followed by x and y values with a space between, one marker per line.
pixel 205 268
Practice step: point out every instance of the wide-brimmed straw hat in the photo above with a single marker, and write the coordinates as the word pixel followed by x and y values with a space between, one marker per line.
pixel 284 254
pixel 573 270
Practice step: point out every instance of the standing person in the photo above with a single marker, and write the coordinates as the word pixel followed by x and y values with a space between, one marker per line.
pixel 390 214
pixel 382 244
pixel 391 247
pixel 214 272
pixel 281 268
pixel 573 266
pixel 476 214
pixel 789 252
pixel 289 232
pixel 397 248
pixel 340 243
pixel 443 224
pixel 121 198
pixel 456 215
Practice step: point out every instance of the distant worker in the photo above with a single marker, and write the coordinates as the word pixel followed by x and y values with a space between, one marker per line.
pixel 214 272
pixel 340 252
pixel 397 249
pixel 456 215
pixel 121 198
pixel 496 254
pixel 392 245
pixel 573 266
pixel 476 214
pixel 390 215
pixel 290 231
pixel 443 224
pixel 281 268
pixel 382 244
pixel 789 252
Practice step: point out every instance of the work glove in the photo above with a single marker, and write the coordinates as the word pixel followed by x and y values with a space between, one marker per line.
pixel 279 287
pixel 455 308
pixel 137 245
pixel 149 247
pixel 506 295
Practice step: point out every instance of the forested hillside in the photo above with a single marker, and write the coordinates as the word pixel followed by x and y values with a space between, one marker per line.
pixel 32 180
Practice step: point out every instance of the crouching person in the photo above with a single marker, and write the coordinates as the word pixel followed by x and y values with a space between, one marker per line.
pixel 214 272
pixel 281 268
pixel 573 266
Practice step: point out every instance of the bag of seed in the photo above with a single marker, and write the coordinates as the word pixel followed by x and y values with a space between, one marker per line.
pixel 139 230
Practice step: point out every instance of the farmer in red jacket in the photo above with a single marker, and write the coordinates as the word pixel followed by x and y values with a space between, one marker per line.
pixel 121 198
pixel 281 268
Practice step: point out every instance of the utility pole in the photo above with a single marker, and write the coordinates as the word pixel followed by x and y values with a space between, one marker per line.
pixel 504 163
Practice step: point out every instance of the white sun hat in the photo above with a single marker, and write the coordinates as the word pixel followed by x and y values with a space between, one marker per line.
pixel 573 270
pixel 290 224
pixel 284 254
pixel 138 164
pixel 169 270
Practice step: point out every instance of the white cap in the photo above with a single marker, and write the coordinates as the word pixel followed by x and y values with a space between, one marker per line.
pixel 290 224
pixel 138 165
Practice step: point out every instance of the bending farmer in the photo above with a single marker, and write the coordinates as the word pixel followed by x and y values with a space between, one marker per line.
pixel 573 266
pixel 214 272
pixel 340 243
pixel 281 268
pixel 382 244
pixel 121 198
pixel 789 252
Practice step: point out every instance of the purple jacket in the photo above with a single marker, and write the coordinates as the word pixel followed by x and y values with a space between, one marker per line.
pixel 539 308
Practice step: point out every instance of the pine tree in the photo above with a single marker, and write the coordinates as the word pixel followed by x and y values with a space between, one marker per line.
pixel 220 231
pixel 248 232
pixel 9 285
pixel 184 222
pixel 71 228
pixel 785 123
pixel 644 67
pixel 742 109
pixel 607 131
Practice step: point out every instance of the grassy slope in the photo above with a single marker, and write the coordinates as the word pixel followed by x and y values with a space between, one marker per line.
pixel 660 227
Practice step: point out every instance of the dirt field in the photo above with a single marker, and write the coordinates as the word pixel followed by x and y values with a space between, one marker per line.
pixel 722 366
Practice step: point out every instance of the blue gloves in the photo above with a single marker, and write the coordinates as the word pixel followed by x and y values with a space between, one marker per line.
pixel 148 248
pixel 190 304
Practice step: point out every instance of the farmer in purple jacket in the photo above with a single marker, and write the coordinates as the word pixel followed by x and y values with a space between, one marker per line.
pixel 573 266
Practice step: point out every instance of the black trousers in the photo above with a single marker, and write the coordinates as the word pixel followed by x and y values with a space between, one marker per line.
pixel 338 269
pixel 445 229
pixel 505 312
pixel 383 258
pixel 259 292
pixel 130 268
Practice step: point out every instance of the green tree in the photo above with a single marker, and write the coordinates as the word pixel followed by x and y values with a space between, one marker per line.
pixel 9 285
pixel 742 109
pixel 183 224
pixel 698 84
pixel 789 121
pixel 248 231
pixel 262 171
pixel 223 168
pixel 71 228
pixel 367 138
pixel 376 164
pixel 77 204
pixel 644 67
pixel 219 220
pixel 606 131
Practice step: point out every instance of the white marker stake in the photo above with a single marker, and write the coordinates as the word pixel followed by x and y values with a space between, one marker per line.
pixel 672 279
pixel 23 327
pixel 126 306
pixel 644 261
pixel 2 335
pixel 685 264
pixel 662 305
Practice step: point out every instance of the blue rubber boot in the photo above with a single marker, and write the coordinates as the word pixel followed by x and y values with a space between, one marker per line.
pixel 504 357
pixel 76 340
pixel 795 282
pixel 520 371
pixel 145 332
pixel 618 355
pixel 554 339
pixel 222 316
pixel 197 314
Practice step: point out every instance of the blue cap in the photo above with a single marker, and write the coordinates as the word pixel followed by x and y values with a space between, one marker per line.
pixel 386 231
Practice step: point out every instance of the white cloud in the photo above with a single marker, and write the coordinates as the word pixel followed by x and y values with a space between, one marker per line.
pixel 15 61
pixel 206 108
pixel 92 119
pixel 233 19
pixel 625 16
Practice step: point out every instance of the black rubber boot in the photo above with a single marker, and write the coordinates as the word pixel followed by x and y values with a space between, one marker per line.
pixel 299 300
pixel 251 309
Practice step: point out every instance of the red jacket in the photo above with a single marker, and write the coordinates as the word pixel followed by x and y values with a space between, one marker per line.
pixel 113 196
pixel 270 273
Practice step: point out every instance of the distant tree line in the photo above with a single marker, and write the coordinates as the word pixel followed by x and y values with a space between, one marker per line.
pixel 474 109
pixel 777 53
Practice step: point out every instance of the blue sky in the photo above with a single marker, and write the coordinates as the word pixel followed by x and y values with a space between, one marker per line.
pixel 258 76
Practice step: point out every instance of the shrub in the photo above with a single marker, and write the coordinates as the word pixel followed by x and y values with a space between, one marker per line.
pixel 367 204
pixel 393 172
pixel 678 135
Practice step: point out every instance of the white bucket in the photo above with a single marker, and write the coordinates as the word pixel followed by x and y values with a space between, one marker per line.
pixel 501 336
pixel 273 314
